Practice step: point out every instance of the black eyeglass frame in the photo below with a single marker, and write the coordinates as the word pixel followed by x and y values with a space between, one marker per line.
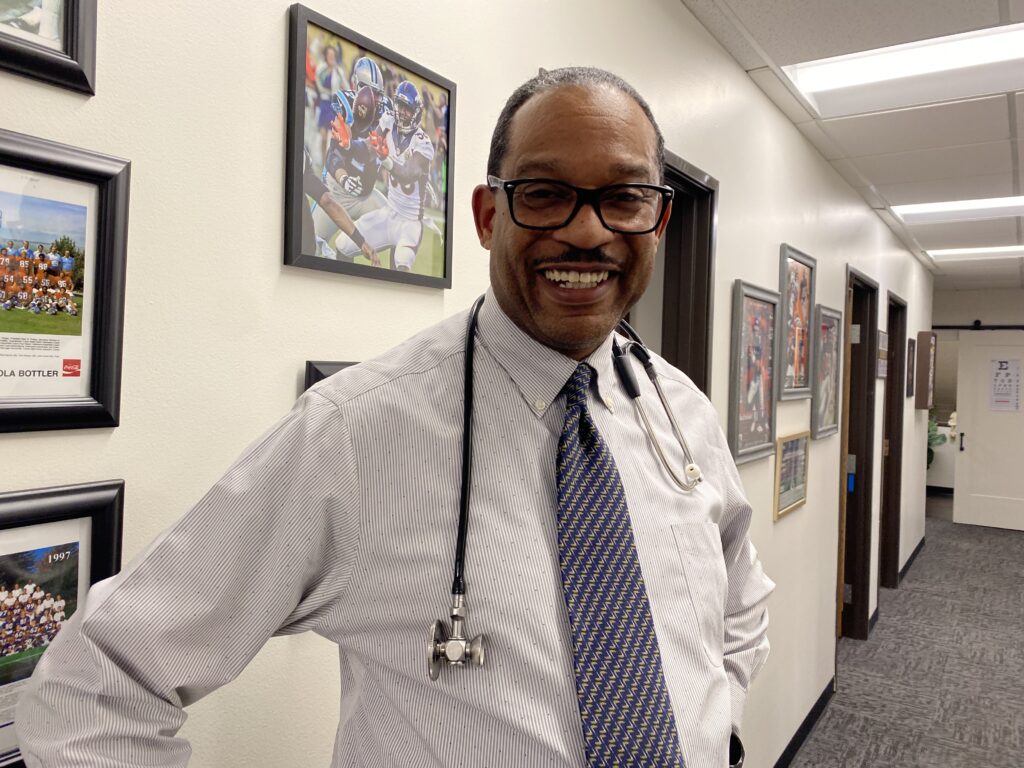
pixel 584 196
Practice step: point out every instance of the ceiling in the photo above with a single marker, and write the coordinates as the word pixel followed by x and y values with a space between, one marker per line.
pixel 954 150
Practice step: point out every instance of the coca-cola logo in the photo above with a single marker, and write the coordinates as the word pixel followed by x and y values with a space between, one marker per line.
pixel 72 367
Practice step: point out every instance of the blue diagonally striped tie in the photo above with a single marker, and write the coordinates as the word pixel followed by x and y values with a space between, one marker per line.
pixel 623 700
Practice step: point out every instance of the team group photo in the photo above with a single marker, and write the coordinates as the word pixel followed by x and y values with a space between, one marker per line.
pixel 42 266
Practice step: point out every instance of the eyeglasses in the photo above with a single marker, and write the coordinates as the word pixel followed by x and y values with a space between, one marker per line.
pixel 631 209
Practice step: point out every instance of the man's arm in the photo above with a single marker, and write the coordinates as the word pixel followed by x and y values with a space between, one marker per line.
pixel 746 612
pixel 268 550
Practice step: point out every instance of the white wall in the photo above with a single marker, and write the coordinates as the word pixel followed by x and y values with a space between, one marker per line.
pixel 193 93
pixel 994 306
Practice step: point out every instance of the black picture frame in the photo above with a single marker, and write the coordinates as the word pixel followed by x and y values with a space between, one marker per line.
pixel 100 407
pixel 297 209
pixel 752 405
pixel 100 503
pixel 794 331
pixel 74 67
pixel 911 360
pixel 318 370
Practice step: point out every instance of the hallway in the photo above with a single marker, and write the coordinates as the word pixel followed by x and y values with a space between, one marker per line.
pixel 940 682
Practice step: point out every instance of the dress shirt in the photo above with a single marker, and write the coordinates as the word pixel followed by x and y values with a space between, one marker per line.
pixel 342 520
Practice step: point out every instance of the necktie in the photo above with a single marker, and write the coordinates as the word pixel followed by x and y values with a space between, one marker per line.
pixel 624 703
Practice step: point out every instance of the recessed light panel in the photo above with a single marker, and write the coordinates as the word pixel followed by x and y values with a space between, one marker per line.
pixel 960 210
pixel 940 69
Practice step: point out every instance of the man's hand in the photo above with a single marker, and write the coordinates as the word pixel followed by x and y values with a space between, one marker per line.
pixel 378 144
pixel 371 254
pixel 341 132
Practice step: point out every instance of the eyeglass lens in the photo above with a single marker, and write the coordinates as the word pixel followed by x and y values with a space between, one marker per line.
pixel 623 207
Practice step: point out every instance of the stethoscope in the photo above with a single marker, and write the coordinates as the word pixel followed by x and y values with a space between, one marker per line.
pixel 454 647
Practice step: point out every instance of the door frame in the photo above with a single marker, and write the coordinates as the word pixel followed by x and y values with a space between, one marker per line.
pixel 855 622
pixel 892 454
pixel 686 334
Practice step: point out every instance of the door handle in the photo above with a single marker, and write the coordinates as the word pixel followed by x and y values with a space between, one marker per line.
pixel 961 442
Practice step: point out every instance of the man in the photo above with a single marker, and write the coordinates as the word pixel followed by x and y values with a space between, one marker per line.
pixel 310 530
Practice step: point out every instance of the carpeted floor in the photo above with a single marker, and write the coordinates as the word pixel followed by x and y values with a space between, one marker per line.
pixel 940 681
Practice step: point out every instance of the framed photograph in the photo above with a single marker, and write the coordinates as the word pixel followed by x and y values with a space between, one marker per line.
pixel 54 544
pixel 882 368
pixel 828 351
pixel 752 372
pixel 50 40
pixel 791 455
pixel 318 370
pixel 368 185
pixel 924 392
pixel 796 342
pixel 911 355
pixel 63 234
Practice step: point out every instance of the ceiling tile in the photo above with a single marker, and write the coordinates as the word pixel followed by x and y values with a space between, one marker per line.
pixel 773 87
pixel 941 190
pixel 974 283
pixel 1004 267
pixel 973 121
pixel 933 164
pixel 966 234
pixel 792 31
pixel 719 23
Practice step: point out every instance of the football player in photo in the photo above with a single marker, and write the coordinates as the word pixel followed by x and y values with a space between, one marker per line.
pixel 406 153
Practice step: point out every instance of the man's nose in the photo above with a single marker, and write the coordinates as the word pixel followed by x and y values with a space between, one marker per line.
pixel 585 230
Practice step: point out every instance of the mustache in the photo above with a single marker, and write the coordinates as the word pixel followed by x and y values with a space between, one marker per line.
pixel 577 255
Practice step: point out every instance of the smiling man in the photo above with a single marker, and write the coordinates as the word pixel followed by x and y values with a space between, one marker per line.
pixel 625 616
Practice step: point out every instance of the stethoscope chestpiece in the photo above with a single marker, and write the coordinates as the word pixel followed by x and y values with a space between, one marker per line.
pixel 456 649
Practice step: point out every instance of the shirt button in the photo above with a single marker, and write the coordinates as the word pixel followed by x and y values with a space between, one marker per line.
pixel 540 405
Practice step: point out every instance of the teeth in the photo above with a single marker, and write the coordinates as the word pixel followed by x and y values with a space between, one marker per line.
pixel 574 279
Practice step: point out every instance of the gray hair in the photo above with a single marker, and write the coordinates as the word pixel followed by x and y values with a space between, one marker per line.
pixel 559 78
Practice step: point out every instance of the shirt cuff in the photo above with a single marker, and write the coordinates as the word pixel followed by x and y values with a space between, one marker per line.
pixel 738 698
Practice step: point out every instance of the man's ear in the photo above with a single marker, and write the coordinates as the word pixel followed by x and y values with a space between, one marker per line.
pixel 483 214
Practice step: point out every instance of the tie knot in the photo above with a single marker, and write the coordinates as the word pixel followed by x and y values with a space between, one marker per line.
pixel 577 385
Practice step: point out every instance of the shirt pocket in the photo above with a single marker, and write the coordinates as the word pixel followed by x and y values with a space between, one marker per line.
pixel 700 552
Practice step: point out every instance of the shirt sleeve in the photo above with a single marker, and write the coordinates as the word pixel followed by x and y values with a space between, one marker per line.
pixel 746 612
pixel 268 550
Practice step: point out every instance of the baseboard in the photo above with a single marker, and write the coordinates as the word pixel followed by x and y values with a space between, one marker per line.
pixel 938 490
pixel 805 727
pixel 910 560
pixel 873 620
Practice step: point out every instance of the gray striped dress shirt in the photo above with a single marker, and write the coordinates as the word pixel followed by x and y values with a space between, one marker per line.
pixel 342 520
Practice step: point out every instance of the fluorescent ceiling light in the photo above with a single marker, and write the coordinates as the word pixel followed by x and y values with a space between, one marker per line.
pixel 971 254
pixel 960 210
pixel 942 68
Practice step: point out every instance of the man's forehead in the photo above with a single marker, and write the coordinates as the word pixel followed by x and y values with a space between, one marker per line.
pixel 603 121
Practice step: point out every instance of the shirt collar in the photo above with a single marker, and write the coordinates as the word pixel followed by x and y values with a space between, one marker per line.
pixel 538 371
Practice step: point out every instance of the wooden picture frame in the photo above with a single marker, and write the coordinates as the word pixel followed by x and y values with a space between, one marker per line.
pixel 318 370
pixel 791 459
pixel 368 178
pixel 924 393
pixel 71 377
pixel 59 541
pixel 828 361
pixel 68 62
pixel 751 433
pixel 797 273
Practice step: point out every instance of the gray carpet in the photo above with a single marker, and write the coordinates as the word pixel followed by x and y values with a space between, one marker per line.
pixel 940 681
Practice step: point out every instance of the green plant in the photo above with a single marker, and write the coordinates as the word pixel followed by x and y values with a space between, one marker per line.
pixel 934 438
